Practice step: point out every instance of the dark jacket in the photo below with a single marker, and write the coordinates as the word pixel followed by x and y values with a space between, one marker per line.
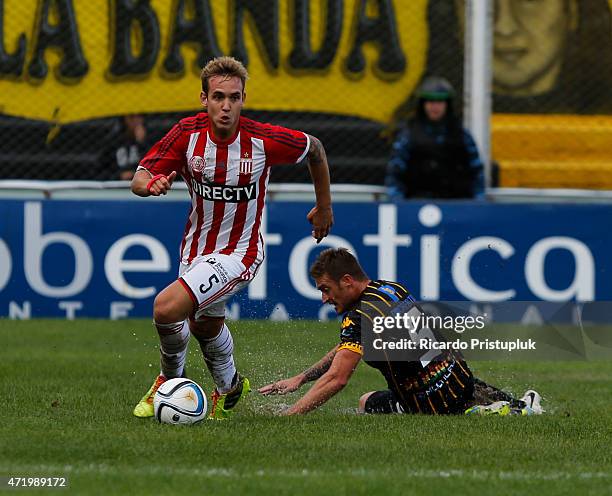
pixel 434 160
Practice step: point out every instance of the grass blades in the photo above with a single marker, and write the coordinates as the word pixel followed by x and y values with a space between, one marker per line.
pixel 68 389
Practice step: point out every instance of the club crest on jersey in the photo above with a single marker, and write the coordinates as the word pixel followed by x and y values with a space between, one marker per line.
pixel 347 322
pixel 246 164
pixel 196 163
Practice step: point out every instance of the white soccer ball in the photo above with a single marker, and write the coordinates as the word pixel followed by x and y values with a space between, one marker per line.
pixel 180 401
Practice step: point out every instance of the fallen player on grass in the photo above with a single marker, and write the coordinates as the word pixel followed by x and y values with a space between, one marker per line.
pixel 443 386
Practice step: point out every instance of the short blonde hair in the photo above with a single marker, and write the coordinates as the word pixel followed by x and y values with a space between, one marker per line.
pixel 223 66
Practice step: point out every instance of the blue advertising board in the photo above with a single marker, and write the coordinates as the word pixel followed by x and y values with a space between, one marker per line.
pixel 108 259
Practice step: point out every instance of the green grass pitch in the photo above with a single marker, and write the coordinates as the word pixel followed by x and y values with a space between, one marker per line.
pixel 68 389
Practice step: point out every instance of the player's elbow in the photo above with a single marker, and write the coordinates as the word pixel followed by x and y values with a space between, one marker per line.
pixel 341 382
pixel 338 381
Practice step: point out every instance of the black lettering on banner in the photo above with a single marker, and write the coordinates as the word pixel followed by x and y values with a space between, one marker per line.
pixel 302 56
pixel 210 284
pixel 199 30
pixel 265 23
pixel 11 64
pixel 125 14
pixel 383 30
pixel 64 35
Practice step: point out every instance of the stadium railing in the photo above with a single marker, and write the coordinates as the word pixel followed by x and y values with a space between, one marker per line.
pixel 114 190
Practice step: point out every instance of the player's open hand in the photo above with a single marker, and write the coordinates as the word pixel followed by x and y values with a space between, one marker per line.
pixel 161 184
pixel 322 219
pixel 282 387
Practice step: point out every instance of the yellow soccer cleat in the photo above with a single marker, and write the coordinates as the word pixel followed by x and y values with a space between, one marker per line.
pixel 144 408
pixel 501 408
pixel 223 404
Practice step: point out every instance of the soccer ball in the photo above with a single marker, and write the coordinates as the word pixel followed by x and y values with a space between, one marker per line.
pixel 179 401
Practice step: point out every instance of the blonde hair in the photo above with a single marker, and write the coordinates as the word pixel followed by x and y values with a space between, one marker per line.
pixel 223 66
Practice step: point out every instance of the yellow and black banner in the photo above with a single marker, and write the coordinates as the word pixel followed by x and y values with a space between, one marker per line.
pixel 71 60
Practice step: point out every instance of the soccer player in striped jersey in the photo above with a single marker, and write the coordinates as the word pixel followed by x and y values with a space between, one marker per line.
pixel 443 386
pixel 225 159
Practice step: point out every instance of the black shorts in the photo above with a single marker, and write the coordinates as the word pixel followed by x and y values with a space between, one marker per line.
pixel 383 402
pixel 453 396
pixel 387 401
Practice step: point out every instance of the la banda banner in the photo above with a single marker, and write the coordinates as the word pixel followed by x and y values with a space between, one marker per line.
pixel 70 60
pixel 108 259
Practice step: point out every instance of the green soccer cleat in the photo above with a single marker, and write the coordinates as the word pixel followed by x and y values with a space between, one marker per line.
pixel 223 404
pixel 144 408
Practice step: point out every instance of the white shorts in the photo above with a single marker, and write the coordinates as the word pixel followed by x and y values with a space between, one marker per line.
pixel 212 279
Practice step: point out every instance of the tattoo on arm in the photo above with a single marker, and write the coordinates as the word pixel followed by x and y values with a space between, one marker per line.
pixel 319 368
pixel 316 152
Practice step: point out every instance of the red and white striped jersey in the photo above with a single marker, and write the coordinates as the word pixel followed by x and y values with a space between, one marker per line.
pixel 227 181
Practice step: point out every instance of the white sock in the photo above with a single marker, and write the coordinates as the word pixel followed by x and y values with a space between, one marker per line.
pixel 173 340
pixel 218 354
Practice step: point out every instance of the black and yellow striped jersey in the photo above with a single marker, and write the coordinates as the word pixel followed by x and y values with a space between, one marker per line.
pixel 368 306
pixel 403 377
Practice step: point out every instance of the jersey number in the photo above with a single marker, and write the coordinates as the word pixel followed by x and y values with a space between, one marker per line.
pixel 423 333
pixel 212 279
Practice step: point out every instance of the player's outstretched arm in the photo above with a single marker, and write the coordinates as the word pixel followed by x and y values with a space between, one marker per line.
pixel 293 383
pixel 329 384
pixel 321 216
pixel 144 184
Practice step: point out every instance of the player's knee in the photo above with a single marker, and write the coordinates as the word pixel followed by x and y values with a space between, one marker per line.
pixel 172 304
pixel 164 311
pixel 363 400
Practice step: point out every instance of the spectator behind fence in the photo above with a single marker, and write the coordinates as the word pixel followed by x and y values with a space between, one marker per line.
pixel 130 145
pixel 433 156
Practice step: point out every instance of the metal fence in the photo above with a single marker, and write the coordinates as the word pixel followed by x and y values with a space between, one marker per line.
pixel 345 71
